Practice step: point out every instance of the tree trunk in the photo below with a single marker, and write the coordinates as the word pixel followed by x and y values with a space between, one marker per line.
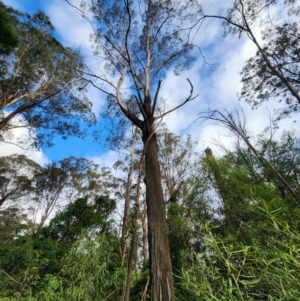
pixel 127 200
pixel 131 258
pixel 144 229
pixel 161 278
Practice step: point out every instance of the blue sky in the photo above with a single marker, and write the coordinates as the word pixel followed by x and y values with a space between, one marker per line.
pixel 28 6
pixel 72 146
pixel 216 87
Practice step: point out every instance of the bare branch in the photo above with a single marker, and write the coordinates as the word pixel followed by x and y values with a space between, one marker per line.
pixel 155 97
pixel 83 15
pixel 182 104
pixel 239 130
pixel 118 95
pixel 124 109
pixel 25 106
pixel 227 20
pixel 11 278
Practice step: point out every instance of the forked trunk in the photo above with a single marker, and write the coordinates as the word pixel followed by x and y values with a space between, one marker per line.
pixel 161 278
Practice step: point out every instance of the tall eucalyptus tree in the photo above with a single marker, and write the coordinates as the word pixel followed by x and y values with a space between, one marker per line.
pixel 138 42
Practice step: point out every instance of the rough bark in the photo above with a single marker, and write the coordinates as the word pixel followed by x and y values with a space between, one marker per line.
pixel 161 279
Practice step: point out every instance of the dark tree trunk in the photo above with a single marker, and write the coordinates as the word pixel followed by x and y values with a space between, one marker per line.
pixel 161 278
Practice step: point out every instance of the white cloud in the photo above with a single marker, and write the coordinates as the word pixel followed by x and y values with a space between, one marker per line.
pixel 217 89
pixel 11 147
pixel 73 29
pixel 18 140
pixel 214 6
pixel 75 32
pixel 217 85
pixel 108 159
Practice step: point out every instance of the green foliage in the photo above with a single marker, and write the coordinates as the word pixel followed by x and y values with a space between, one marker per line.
pixel 140 284
pixel 230 270
pixel 164 24
pixel 39 83
pixel 233 235
pixel 259 81
pixel 245 245
pixel 16 173
pixel 67 225
pixel 24 263
pixel 284 154
pixel 23 180
pixel 273 73
pixel 185 219
pixel 11 224
pixel 33 265
pixel 247 248
pixel 243 183
pixel 233 227
pixel 177 163
pixel 90 271
pixel 8 38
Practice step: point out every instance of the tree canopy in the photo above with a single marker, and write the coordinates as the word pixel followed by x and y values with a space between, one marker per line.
pixel 8 38
pixel 273 73
pixel 40 83
pixel 172 218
